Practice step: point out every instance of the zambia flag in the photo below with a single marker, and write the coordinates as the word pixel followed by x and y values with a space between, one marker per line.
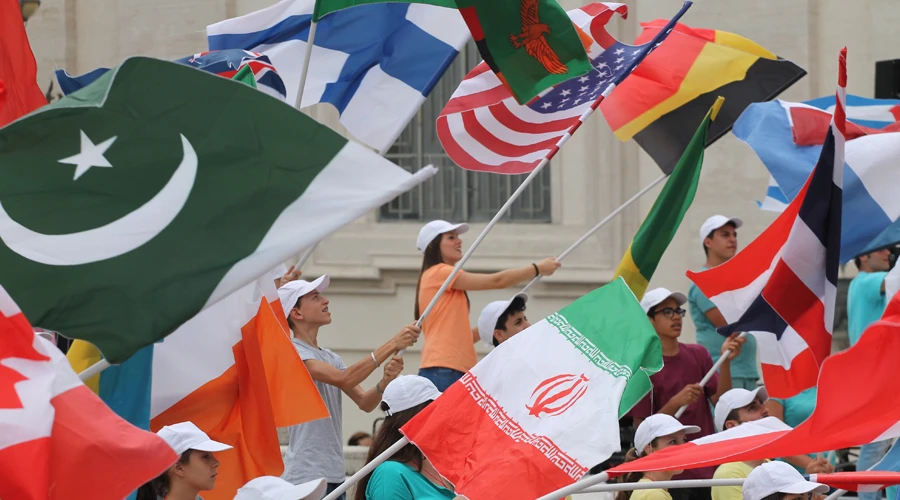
pixel 673 88
pixel 661 224
pixel 531 45
pixel 130 205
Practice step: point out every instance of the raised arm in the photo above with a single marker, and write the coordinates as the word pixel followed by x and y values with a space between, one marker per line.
pixel 503 279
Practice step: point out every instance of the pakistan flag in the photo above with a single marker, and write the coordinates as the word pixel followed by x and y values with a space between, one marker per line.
pixel 132 204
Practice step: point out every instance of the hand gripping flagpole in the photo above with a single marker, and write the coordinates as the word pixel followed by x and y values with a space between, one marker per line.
pixel 710 373
pixel 562 140
pixel 599 225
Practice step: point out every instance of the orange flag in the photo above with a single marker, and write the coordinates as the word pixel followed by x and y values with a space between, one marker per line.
pixel 19 91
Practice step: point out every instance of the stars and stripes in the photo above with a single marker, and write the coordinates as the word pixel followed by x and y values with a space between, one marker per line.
pixel 483 128
pixel 782 287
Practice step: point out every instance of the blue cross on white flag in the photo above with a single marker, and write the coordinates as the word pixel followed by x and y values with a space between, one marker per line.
pixel 375 63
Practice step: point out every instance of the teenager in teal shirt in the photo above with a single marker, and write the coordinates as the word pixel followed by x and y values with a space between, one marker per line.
pixel 865 305
pixel 719 238
pixel 407 475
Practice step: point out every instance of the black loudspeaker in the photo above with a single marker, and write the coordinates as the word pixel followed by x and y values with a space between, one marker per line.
pixel 887 79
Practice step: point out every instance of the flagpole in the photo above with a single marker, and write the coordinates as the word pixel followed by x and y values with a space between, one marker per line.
pixel 94 369
pixel 709 374
pixel 310 40
pixel 368 468
pixel 599 225
pixel 562 140
pixel 306 255
pixel 577 486
pixel 684 483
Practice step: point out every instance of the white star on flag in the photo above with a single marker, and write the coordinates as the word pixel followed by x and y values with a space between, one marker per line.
pixel 565 92
pixel 619 60
pixel 584 79
pixel 583 89
pixel 91 155
pixel 602 65
pixel 546 105
pixel 619 51
pixel 619 67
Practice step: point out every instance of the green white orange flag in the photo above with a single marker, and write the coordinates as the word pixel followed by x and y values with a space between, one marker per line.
pixel 661 224
pixel 531 45
pixel 131 205
pixel 543 408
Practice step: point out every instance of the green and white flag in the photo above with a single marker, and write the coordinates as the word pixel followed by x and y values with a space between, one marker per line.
pixel 132 204
pixel 542 408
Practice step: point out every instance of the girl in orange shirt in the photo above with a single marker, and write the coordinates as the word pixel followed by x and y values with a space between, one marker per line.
pixel 449 351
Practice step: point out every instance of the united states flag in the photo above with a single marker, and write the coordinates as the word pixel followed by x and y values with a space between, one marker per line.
pixel 782 287
pixel 226 63
pixel 483 128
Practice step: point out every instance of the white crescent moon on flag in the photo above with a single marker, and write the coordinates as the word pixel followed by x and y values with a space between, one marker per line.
pixel 113 239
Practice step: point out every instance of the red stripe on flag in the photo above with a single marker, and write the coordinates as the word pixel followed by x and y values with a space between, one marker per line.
pixel 462 158
pixel 595 8
pixel 801 308
pixel 498 146
pixel 509 120
pixel 782 382
pixel 468 448
pixel 476 100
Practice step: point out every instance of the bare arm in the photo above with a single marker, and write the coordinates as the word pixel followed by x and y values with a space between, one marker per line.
pixel 369 400
pixel 503 279
pixel 733 344
pixel 715 317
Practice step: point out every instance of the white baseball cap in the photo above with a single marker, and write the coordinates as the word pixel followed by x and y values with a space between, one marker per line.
pixel 487 321
pixel 430 231
pixel 658 296
pixel 186 436
pixel 734 399
pixel 777 477
pixel 275 488
pixel 715 222
pixel 290 293
pixel 658 425
pixel 407 391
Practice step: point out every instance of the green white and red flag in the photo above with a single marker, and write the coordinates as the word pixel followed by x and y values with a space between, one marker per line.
pixel 543 408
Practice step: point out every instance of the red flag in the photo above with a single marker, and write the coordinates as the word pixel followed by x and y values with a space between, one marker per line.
pixel 858 481
pixel 19 91
pixel 57 438
pixel 843 388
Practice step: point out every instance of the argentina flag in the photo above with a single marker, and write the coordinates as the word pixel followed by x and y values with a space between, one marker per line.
pixel 374 63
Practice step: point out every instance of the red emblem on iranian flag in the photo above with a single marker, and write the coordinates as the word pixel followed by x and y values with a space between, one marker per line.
pixel 557 394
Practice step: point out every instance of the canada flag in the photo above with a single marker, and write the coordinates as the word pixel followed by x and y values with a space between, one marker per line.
pixel 57 438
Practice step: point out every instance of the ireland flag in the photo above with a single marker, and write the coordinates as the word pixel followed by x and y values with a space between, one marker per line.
pixel 543 408
pixel 132 204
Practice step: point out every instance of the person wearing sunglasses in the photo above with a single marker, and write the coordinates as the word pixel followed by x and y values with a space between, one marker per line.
pixel 677 384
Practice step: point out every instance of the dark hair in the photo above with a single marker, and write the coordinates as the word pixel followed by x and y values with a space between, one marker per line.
pixel 159 487
pixel 858 262
pixel 431 258
pixel 775 496
pixel 631 477
pixel 388 434
pixel 356 438
pixel 517 305
pixel 732 415
pixel 289 320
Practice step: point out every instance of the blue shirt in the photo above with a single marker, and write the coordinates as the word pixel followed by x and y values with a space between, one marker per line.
pixel 396 481
pixel 743 366
pixel 865 303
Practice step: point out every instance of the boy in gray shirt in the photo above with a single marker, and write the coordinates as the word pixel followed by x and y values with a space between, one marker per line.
pixel 315 449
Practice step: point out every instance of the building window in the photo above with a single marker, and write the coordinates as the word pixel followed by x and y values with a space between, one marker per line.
pixel 456 194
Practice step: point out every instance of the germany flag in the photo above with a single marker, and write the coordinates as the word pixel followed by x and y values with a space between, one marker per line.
pixel 668 95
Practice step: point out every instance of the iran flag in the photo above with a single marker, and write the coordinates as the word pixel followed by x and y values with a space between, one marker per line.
pixel 57 438
pixel 543 408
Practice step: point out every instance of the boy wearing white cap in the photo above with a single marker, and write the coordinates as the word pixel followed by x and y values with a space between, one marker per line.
pixel 734 408
pixel 502 319
pixel 718 236
pixel 195 470
pixel 677 384
pixel 779 481
pixel 655 433
pixel 275 488
pixel 315 448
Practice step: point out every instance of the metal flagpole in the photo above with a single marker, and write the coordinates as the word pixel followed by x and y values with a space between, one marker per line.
pixel 309 46
pixel 94 369
pixel 709 374
pixel 600 224
pixel 577 486
pixel 306 255
pixel 684 483
pixel 368 468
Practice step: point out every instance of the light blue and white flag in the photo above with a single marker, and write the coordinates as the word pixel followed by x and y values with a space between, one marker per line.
pixel 788 136
pixel 375 63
